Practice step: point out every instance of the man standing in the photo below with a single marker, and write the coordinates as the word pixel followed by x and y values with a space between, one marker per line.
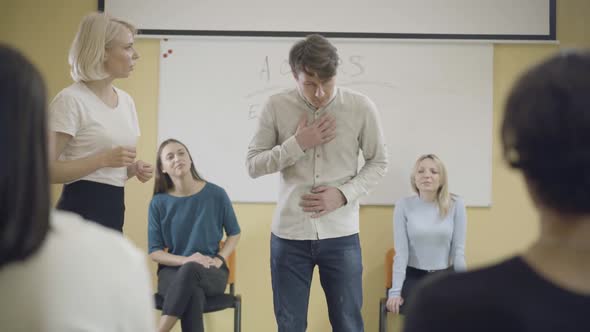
pixel 313 135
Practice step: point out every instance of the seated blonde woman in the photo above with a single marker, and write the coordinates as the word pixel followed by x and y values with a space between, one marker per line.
pixel 546 136
pixel 429 231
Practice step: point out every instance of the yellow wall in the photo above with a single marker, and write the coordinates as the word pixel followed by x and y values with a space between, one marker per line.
pixel 43 30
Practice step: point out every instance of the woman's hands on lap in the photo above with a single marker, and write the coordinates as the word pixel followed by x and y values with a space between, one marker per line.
pixel 205 261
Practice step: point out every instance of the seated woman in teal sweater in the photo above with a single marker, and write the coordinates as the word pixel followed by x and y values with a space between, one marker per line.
pixel 187 216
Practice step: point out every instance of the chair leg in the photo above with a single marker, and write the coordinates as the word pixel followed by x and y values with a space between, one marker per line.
pixel 238 315
pixel 382 315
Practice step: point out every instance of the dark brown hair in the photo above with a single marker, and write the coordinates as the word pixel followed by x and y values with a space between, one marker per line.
pixel 546 131
pixel 163 183
pixel 314 55
pixel 24 171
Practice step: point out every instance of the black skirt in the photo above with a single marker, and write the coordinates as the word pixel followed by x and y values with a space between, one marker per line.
pixel 413 277
pixel 97 202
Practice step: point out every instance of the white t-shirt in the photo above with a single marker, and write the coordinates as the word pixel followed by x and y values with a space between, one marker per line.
pixel 94 127
pixel 83 278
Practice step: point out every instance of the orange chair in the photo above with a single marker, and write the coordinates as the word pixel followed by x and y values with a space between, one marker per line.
pixel 223 301
pixel 388 280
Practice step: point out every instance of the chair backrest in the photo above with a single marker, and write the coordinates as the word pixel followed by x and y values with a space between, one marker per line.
pixel 389 268
pixel 231 265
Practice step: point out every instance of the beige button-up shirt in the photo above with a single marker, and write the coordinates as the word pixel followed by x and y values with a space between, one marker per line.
pixel 336 163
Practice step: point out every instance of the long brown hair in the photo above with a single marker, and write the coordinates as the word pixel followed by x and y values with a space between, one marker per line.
pixel 163 183
pixel 443 197
pixel 24 171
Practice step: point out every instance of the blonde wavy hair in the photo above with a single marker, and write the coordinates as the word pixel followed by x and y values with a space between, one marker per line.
pixel 87 53
pixel 443 197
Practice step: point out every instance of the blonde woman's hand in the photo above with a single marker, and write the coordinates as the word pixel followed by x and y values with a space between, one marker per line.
pixel 393 304
pixel 118 157
pixel 143 171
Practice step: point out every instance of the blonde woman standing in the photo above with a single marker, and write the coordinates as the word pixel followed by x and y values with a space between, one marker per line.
pixel 429 231
pixel 58 273
pixel 95 124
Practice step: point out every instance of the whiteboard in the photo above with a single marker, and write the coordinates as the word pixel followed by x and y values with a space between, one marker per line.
pixel 432 98
pixel 484 19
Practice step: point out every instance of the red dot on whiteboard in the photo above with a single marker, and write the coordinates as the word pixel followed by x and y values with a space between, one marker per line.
pixel 169 51
pixel 165 55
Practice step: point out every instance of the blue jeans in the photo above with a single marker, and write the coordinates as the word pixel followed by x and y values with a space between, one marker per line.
pixel 340 266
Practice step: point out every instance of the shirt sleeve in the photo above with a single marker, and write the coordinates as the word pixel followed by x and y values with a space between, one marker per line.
pixel 265 156
pixel 230 222
pixel 135 121
pixel 374 152
pixel 64 115
pixel 400 243
pixel 459 235
pixel 155 238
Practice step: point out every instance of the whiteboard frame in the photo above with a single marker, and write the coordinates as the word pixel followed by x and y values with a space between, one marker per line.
pixel 551 36
pixel 269 183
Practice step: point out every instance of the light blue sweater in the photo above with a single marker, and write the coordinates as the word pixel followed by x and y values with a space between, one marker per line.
pixel 423 240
